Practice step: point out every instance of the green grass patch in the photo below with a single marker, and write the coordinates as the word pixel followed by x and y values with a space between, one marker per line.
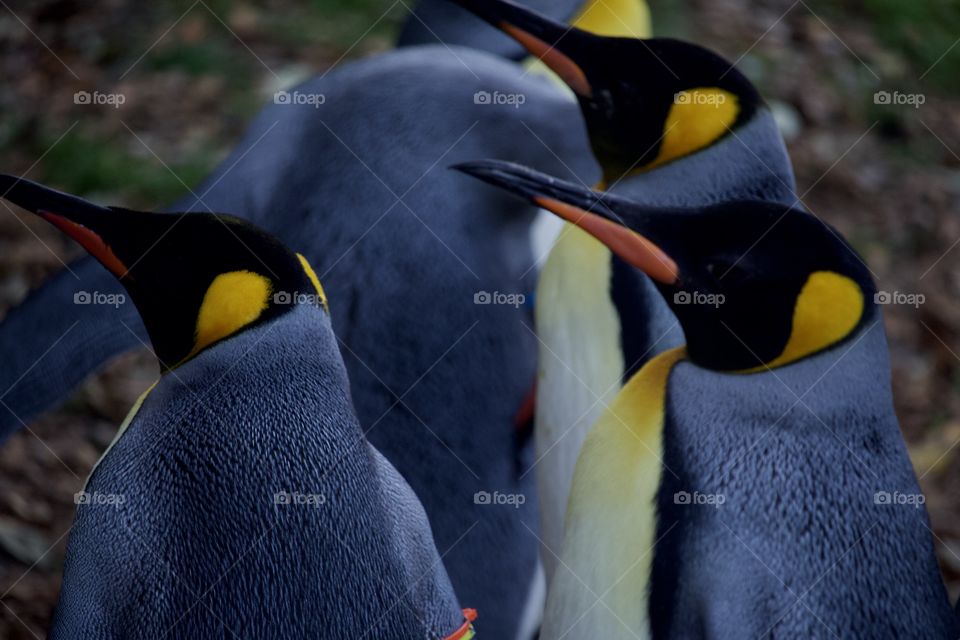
pixel 82 164
pixel 209 58
pixel 923 31
pixel 338 24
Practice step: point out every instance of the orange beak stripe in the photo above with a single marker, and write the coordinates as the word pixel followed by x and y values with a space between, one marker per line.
pixel 560 64
pixel 629 245
pixel 89 240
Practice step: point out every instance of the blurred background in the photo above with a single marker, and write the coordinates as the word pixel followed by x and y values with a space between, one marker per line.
pixel 867 92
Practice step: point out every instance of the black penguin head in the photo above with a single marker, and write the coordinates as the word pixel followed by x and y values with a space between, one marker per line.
pixel 195 278
pixel 754 284
pixel 645 102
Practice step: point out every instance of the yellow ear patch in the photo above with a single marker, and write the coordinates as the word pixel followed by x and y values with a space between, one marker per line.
pixel 828 308
pixel 233 300
pixel 697 119
pixel 614 18
pixel 314 279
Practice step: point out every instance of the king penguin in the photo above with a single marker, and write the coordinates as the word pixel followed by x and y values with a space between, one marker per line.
pixel 753 483
pixel 240 497
pixel 408 250
pixel 671 124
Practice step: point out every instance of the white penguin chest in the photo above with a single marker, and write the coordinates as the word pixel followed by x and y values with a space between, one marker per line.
pixel 580 367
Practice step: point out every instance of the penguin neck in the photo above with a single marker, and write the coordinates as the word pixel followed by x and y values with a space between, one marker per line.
pixel 297 348
pixel 750 162
pixel 300 340
pixel 611 506
pixel 863 356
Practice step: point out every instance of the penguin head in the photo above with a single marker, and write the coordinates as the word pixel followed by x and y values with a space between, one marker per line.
pixel 754 284
pixel 645 102
pixel 195 278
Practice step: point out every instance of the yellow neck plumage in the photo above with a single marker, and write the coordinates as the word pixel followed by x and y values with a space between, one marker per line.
pixel 612 507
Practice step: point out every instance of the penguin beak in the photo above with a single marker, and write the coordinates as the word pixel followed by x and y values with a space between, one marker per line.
pixel 613 221
pixel 551 42
pixel 74 216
